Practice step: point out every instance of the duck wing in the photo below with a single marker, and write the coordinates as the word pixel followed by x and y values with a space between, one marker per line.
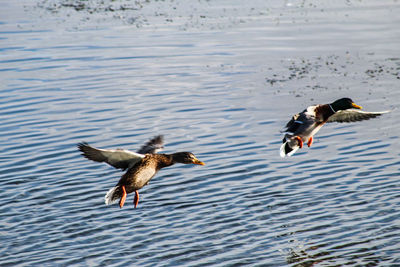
pixel 352 115
pixel 118 158
pixel 293 124
pixel 301 121
pixel 154 145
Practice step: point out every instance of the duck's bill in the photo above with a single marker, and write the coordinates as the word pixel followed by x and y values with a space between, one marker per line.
pixel 198 162
pixel 354 105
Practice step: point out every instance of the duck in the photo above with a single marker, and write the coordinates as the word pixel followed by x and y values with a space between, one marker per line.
pixel 140 166
pixel 304 125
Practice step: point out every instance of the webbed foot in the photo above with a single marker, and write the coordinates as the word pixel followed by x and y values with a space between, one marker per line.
pixel 298 138
pixel 136 199
pixel 122 200
pixel 310 141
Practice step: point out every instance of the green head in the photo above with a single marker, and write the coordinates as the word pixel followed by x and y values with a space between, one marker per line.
pixel 344 103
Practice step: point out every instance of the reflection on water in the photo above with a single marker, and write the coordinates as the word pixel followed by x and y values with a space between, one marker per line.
pixel 218 79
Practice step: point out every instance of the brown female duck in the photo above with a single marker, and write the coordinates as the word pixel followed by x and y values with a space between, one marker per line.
pixel 141 167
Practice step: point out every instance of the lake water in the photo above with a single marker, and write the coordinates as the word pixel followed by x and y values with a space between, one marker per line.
pixel 219 79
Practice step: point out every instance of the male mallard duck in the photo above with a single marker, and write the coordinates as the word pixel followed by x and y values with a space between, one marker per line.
pixel 142 166
pixel 303 126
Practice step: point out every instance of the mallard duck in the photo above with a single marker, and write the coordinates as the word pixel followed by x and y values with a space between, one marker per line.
pixel 141 166
pixel 304 125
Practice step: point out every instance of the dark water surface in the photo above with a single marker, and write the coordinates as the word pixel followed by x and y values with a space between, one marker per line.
pixel 220 79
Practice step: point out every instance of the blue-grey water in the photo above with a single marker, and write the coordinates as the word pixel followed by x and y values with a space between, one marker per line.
pixel 219 79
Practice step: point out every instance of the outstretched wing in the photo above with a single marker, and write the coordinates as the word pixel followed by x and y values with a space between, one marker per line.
pixel 352 115
pixel 118 158
pixel 153 146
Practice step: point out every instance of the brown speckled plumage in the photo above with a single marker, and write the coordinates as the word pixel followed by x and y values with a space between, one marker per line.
pixel 141 168
pixel 140 174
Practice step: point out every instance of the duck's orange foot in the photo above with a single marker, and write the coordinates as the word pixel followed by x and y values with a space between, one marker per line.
pixel 122 200
pixel 310 141
pixel 136 199
pixel 299 140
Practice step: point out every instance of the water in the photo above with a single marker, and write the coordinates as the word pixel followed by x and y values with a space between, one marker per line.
pixel 219 79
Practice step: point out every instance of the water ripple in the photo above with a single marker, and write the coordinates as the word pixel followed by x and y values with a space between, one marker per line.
pixel 205 88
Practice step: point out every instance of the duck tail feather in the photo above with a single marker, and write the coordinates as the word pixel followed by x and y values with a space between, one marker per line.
pixel 292 150
pixel 286 150
pixel 112 195
pixel 282 151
